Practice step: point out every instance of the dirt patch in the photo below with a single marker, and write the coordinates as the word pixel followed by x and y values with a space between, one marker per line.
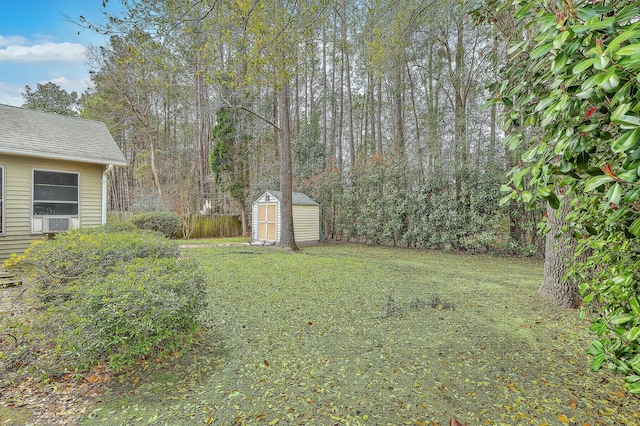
pixel 33 399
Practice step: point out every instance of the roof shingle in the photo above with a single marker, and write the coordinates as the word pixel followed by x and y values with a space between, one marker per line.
pixel 47 135
pixel 297 198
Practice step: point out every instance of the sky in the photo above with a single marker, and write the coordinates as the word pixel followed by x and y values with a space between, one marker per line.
pixel 38 44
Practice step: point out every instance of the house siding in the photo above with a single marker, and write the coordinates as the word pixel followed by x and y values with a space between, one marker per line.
pixel 306 223
pixel 18 182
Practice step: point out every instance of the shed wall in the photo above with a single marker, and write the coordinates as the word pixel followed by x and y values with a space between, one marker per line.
pixel 18 176
pixel 306 222
pixel 254 221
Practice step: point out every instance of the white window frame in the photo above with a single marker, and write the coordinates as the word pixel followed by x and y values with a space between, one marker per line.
pixel 33 195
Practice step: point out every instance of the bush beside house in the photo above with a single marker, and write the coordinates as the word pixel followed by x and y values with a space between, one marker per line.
pixel 111 298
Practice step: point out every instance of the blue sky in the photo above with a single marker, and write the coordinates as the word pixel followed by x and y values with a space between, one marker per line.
pixel 38 45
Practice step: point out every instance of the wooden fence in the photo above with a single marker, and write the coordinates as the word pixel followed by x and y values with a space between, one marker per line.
pixel 214 226
pixel 200 226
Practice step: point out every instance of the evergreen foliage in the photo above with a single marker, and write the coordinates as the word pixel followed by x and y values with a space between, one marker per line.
pixel 223 136
pixel 387 202
pixel 51 98
pixel 573 81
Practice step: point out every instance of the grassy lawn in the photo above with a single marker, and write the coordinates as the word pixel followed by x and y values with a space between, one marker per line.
pixel 215 241
pixel 347 334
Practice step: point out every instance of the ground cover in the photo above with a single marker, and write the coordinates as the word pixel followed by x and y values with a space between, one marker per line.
pixel 213 242
pixel 347 334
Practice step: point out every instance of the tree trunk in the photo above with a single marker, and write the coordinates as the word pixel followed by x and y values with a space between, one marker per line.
pixel 152 156
pixel 325 104
pixel 334 125
pixel 287 237
pixel 379 119
pixel 398 112
pixel 347 66
pixel 418 142
pixel 559 251
pixel 243 218
pixel 372 112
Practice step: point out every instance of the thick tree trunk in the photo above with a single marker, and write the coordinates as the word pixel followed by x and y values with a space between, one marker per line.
pixel 559 251
pixel 287 237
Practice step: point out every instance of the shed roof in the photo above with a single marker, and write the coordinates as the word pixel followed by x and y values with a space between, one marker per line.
pixel 297 198
pixel 48 135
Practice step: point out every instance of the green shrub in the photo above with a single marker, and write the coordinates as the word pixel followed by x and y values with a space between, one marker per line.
pixel 83 251
pixel 147 307
pixel 109 297
pixel 118 224
pixel 167 223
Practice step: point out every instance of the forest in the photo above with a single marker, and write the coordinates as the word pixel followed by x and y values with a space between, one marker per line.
pixel 380 105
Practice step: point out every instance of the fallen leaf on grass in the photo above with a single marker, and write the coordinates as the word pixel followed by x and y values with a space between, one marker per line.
pixel 564 419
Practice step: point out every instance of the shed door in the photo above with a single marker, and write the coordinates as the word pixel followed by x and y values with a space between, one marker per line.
pixel 267 222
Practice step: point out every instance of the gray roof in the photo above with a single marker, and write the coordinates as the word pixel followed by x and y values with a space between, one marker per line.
pixel 297 198
pixel 47 135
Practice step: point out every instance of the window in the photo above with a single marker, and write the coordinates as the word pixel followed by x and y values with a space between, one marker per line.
pixel 55 193
pixel 1 200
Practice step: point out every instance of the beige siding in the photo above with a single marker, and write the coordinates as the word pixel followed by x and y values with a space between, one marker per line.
pixel 91 195
pixel 18 175
pixel 306 223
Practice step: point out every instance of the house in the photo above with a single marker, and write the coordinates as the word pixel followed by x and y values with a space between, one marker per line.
pixel 266 219
pixel 53 174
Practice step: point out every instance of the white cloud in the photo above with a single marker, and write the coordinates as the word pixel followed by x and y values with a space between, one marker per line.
pixel 11 40
pixel 78 86
pixel 43 53
pixel 10 94
pixel 37 59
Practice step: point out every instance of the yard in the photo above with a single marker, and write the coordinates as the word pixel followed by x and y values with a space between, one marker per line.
pixel 347 334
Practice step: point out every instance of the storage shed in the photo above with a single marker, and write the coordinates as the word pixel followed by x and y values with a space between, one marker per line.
pixel 266 219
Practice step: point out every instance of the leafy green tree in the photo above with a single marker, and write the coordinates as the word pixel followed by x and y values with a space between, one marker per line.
pixel 52 98
pixel 228 161
pixel 571 92
pixel 307 148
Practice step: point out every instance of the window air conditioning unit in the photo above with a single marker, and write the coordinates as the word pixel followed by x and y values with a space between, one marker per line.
pixel 55 224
